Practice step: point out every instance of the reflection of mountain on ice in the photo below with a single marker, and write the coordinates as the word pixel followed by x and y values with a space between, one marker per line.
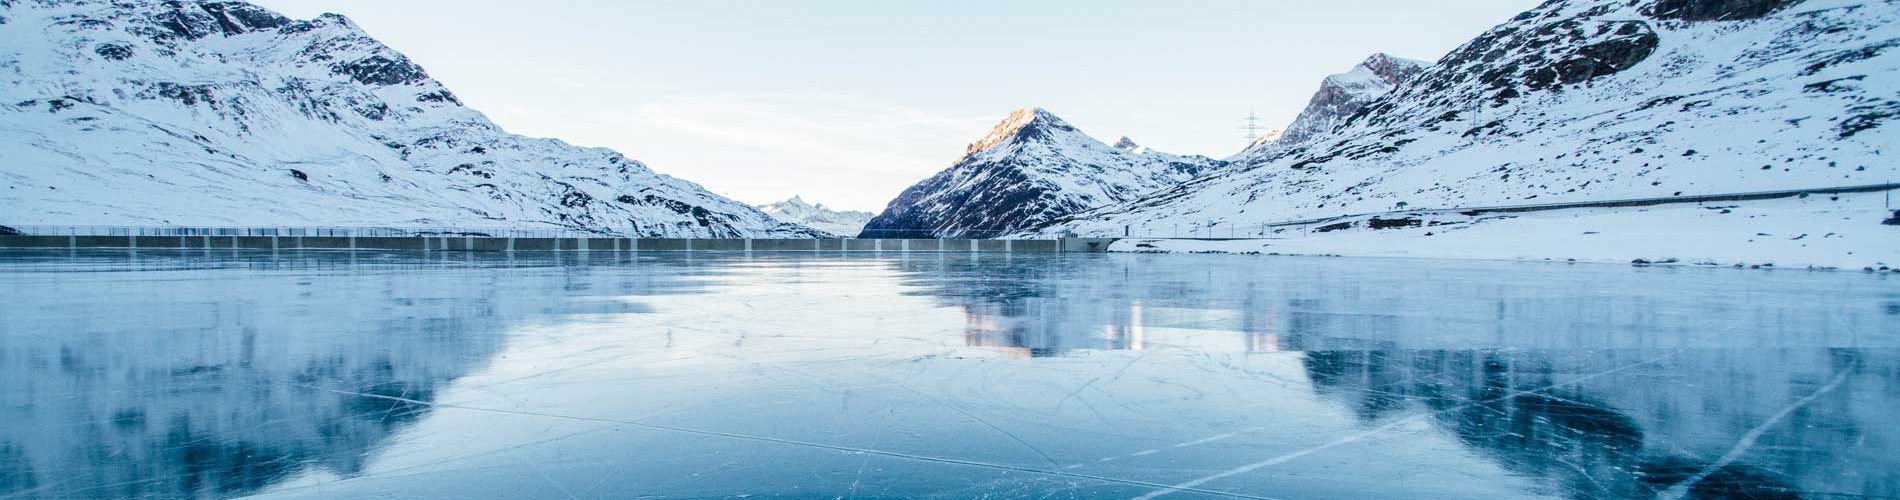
pixel 232 384
pixel 1632 424
pixel 1580 414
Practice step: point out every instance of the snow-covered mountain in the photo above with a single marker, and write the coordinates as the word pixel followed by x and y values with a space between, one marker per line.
pixel 1339 97
pixel 818 216
pixel 192 112
pixel 1584 100
pixel 1270 136
pixel 1031 168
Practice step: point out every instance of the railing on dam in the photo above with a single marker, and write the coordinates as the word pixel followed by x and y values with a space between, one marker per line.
pixel 1212 229
pixel 319 231
pixel 488 240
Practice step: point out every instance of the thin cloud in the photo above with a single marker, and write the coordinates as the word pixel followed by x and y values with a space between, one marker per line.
pixel 848 151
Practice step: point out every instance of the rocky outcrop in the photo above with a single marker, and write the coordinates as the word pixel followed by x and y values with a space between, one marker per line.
pixel 1715 10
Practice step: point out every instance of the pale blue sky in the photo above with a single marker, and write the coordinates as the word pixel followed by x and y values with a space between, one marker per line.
pixel 849 102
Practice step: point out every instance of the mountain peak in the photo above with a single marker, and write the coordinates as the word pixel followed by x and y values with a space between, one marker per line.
pixel 1380 71
pixel 1033 167
pixel 1025 123
pixel 1339 97
pixel 1384 64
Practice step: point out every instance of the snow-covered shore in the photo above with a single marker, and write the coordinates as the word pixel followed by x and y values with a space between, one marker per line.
pixel 1836 232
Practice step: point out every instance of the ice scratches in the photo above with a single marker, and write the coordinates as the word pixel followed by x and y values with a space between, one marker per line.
pixel 808 378
pixel 802 444
pixel 1187 444
pixel 406 471
pixel 1748 440
pixel 551 481
pixel 1193 485
pixel 972 416
pixel 1075 394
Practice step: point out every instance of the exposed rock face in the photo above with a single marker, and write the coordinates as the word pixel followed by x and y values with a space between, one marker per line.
pixel 1716 10
pixel 112 111
pixel 1530 54
pixel 1031 168
pixel 1339 97
pixel 1581 100
pixel 1632 43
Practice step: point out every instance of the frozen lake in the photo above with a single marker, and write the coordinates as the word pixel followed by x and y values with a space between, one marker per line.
pixel 339 375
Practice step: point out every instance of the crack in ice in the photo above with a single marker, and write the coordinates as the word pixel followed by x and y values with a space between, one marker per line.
pixel 1192 485
pixel 1748 440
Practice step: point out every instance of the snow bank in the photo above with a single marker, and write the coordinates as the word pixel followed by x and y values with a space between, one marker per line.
pixel 1843 232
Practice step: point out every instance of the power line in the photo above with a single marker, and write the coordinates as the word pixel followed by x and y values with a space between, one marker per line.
pixel 1253 126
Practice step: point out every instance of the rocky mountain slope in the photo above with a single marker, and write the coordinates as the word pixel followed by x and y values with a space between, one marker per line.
pixel 818 216
pixel 150 112
pixel 1339 97
pixel 1031 168
pixel 1583 100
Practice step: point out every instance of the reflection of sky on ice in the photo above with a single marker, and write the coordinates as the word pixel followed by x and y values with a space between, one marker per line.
pixel 457 375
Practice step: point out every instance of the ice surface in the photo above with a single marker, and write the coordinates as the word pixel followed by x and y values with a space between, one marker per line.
pixel 348 375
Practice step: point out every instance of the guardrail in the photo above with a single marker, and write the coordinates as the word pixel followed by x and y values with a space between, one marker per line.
pixel 438 241
pixel 398 232
pixel 322 231
pixel 1214 230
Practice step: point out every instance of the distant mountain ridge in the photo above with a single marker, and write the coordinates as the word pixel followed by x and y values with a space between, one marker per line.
pixel 221 113
pixel 1030 168
pixel 817 216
